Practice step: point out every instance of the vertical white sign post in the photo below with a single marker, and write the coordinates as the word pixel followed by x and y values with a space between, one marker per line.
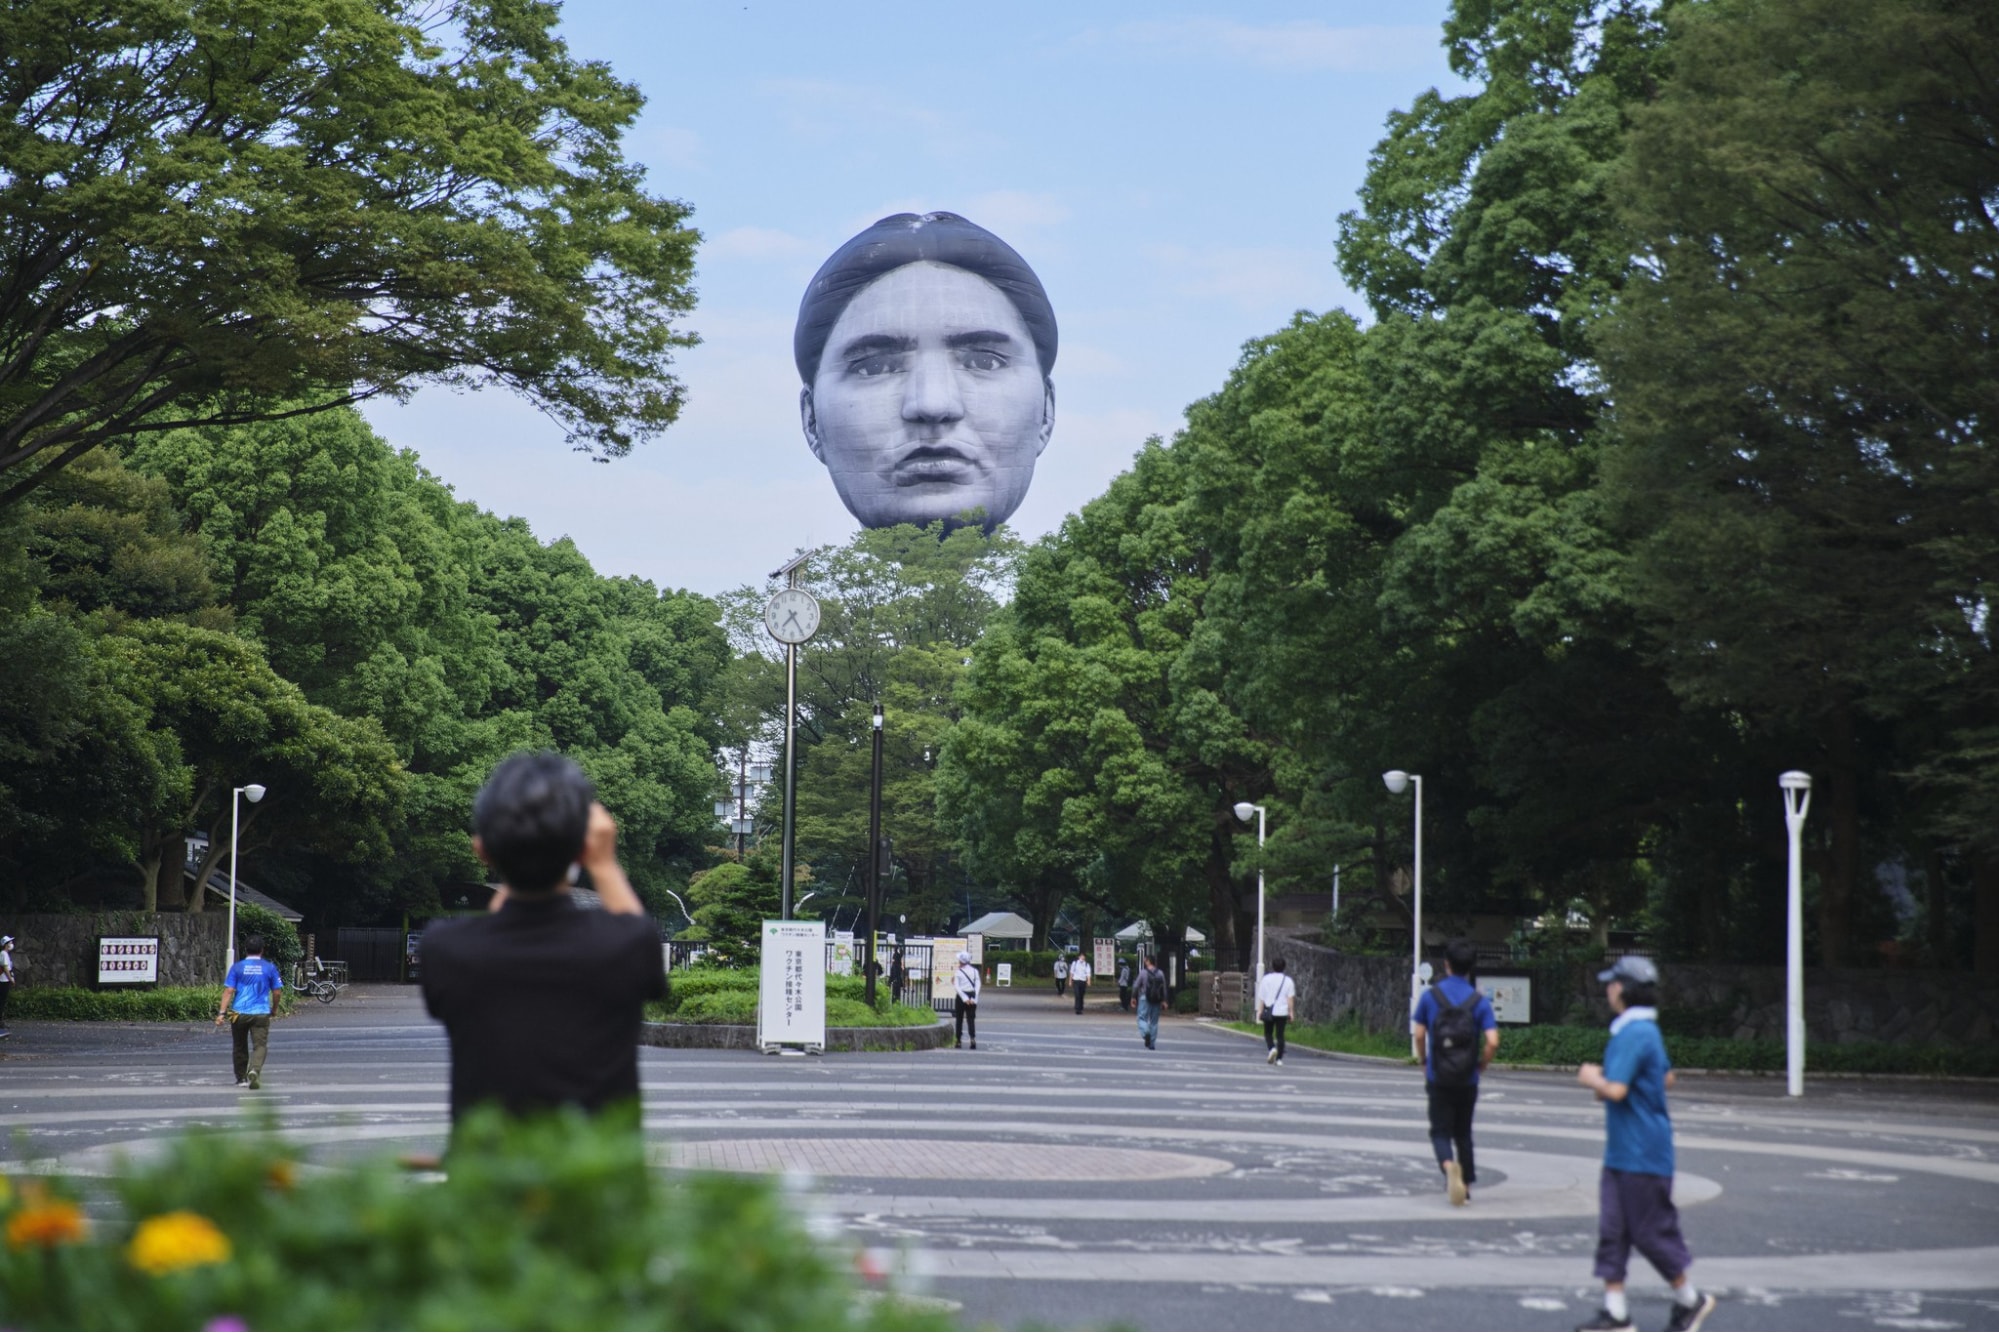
pixel 791 991
pixel 1797 800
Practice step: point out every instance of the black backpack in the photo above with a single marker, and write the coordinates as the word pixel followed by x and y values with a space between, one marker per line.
pixel 1155 987
pixel 1454 1040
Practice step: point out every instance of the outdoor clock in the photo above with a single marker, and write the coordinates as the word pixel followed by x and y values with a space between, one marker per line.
pixel 792 616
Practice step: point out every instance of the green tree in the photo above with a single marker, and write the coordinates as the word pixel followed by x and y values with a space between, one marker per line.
pixel 1805 382
pixel 226 212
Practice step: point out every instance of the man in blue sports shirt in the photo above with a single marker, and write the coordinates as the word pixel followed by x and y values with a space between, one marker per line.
pixel 1635 1197
pixel 1457 1035
pixel 248 990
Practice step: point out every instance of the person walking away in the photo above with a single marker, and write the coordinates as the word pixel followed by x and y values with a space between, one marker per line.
pixel 1457 1035
pixel 1080 973
pixel 898 977
pixel 542 1000
pixel 1151 1002
pixel 966 1011
pixel 1635 1195
pixel 247 993
pixel 6 979
pixel 1276 998
pixel 1061 975
pixel 1124 984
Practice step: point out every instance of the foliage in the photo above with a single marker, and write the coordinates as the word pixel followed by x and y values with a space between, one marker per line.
pixel 555 1223
pixel 74 1004
pixel 1028 965
pixel 281 942
pixel 228 212
pixel 731 902
pixel 1570 1046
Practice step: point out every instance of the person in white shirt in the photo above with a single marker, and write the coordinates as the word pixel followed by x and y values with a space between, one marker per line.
pixel 1276 997
pixel 966 1011
pixel 6 978
pixel 1079 979
pixel 1061 975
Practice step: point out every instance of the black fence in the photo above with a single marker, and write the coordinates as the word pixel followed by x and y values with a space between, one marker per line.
pixel 372 953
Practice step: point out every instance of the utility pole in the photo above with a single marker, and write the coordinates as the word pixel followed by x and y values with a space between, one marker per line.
pixel 874 858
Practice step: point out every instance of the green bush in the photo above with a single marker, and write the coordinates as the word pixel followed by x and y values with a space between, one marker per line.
pixel 558 1223
pixel 1577 1045
pixel 1187 1000
pixel 721 995
pixel 164 1004
pixel 1028 965
pixel 281 943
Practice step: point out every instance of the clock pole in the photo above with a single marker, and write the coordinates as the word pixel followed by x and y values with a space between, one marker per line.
pixel 791 632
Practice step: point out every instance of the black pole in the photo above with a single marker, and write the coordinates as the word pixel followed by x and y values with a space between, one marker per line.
pixel 874 859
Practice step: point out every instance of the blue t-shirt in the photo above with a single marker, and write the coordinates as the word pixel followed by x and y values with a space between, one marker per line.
pixel 1428 1007
pixel 1638 1133
pixel 254 980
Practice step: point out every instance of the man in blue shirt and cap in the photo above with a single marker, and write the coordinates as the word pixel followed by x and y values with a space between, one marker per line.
pixel 248 991
pixel 1635 1197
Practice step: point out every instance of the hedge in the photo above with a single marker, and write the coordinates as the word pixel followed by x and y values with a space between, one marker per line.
pixel 164 1004
pixel 726 995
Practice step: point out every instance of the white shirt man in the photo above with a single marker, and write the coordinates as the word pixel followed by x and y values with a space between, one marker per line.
pixel 1276 996
pixel 1079 979
pixel 966 1011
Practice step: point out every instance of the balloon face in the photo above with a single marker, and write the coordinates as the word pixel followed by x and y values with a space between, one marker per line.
pixel 930 401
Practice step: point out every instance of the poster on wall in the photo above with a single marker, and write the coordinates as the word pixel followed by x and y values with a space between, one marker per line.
pixel 843 954
pixel 128 960
pixel 791 987
pixel 975 945
pixel 1104 964
pixel 944 952
pixel 926 350
pixel 1512 998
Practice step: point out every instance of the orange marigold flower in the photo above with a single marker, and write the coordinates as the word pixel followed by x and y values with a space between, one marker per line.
pixel 281 1175
pixel 173 1241
pixel 47 1225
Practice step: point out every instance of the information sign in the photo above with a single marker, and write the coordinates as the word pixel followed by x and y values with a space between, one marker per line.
pixel 843 954
pixel 1512 998
pixel 1005 977
pixel 791 995
pixel 128 960
pixel 943 966
pixel 975 945
pixel 1105 963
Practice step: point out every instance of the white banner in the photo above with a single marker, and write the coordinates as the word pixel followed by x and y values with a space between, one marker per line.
pixel 128 960
pixel 791 1003
pixel 975 945
pixel 843 953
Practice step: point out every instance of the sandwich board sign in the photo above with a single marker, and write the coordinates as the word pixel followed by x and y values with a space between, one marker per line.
pixel 791 987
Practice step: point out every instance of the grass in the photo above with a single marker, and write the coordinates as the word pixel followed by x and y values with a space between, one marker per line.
pixel 161 1004
pixel 1571 1046
pixel 1346 1038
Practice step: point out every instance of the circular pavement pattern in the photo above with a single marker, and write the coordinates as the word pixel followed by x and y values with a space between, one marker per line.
pixel 939 1159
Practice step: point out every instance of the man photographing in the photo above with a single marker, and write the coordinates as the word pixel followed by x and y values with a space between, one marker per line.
pixel 542 998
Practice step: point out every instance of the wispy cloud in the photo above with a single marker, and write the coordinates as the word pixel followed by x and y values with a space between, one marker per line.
pixel 1301 45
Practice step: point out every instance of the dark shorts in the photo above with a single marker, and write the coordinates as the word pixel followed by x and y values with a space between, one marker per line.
pixel 1635 1212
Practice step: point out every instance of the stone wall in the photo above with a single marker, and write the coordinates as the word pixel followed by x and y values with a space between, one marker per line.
pixel 1722 1000
pixel 61 950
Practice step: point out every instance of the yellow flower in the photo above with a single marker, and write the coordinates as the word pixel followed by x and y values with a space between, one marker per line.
pixel 47 1225
pixel 173 1241
pixel 281 1175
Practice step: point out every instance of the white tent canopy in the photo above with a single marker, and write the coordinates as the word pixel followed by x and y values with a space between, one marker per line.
pixel 1142 930
pixel 1001 926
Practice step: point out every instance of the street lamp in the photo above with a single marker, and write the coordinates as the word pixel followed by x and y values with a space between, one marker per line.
pixel 255 792
pixel 806 899
pixel 1243 810
pixel 683 906
pixel 1797 800
pixel 1398 782
pixel 868 968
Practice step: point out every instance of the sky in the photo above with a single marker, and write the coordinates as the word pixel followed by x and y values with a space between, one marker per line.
pixel 1175 178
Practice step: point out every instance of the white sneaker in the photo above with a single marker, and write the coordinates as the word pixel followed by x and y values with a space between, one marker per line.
pixel 1271 1057
pixel 1454 1181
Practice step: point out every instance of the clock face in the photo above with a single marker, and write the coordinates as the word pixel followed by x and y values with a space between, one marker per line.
pixel 792 616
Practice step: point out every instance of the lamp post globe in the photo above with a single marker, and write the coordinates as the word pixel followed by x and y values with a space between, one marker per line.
pixel 1244 811
pixel 255 791
pixel 1396 781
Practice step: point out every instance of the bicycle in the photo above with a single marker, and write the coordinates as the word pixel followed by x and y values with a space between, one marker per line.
pixel 323 982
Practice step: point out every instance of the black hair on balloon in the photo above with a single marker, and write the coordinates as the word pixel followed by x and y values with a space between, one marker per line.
pixel 911 238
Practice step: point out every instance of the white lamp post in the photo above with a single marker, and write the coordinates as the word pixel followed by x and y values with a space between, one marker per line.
pixel 683 906
pixel 255 792
pixel 1398 782
pixel 1243 810
pixel 1797 800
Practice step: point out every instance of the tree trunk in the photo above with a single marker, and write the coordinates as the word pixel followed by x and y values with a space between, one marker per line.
pixel 1843 855
pixel 1985 913
pixel 1222 902
pixel 197 900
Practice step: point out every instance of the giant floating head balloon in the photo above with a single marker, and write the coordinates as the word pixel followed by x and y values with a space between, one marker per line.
pixel 926 345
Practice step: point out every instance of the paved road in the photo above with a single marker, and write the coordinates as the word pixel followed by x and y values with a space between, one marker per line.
pixel 1062 1175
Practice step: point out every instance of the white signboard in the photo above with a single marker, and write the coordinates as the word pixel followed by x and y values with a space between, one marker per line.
pixel 1105 964
pixel 791 993
pixel 1005 977
pixel 1512 998
pixel 843 953
pixel 128 960
pixel 975 945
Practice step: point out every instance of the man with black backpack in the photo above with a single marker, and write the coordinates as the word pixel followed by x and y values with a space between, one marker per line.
pixel 1151 1002
pixel 1456 1038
